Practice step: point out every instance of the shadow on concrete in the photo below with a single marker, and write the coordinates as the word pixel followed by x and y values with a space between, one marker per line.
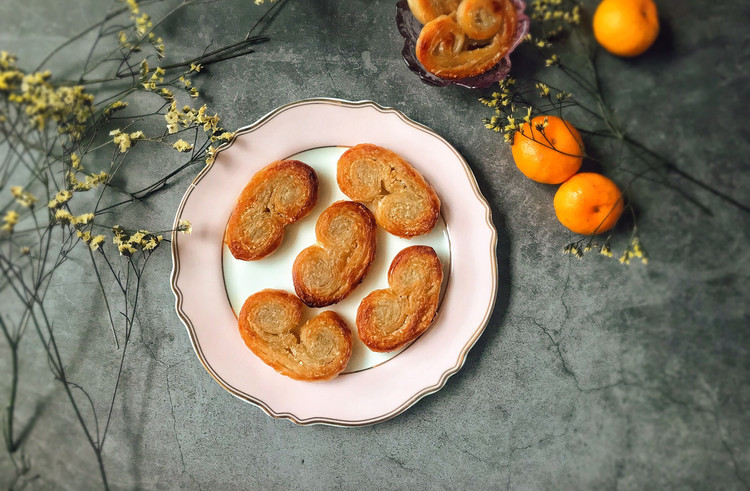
pixel 502 300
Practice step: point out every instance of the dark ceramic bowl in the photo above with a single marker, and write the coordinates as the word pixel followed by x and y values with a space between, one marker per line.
pixel 410 27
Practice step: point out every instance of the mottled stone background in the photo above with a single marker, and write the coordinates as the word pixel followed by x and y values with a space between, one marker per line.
pixel 590 375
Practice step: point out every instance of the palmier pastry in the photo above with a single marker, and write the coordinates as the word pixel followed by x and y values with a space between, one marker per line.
pixel 482 19
pixel 445 50
pixel 327 272
pixel 426 10
pixel 318 350
pixel 389 319
pixel 277 195
pixel 403 202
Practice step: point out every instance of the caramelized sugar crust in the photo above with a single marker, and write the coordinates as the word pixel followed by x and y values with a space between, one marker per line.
pixel 404 203
pixel 325 273
pixel 390 318
pixel 277 195
pixel 269 323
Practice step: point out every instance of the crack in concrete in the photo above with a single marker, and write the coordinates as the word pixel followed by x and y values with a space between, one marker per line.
pixel 570 371
pixel 174 422
pixel 400 463
pixel 562 298
pixel 714 412
pixel 545 439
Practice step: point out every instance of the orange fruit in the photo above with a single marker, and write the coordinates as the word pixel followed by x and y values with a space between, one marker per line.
pixel 550 155
pixel 626 27
pixel 588 203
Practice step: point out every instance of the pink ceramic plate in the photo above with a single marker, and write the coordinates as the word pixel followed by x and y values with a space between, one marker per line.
pixel 369 395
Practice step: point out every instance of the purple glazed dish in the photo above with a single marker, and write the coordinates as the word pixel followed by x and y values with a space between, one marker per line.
pixel 410 27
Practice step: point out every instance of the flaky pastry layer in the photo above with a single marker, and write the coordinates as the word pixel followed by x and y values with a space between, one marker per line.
pixel 426 10
pixel 277 195
pixel 325 273
pixel 269 323
pixel 445 49
pixel 404 203
pixel 390 318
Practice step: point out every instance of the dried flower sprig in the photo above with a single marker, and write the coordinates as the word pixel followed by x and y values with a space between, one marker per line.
pixel 555 22
pixel 56 197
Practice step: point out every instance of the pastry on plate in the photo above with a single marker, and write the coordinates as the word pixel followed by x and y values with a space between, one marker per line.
pixel 277 195
pixel 404 203
pixel 426 10
pixel 393 317
pixel 319 349
pixel 328 271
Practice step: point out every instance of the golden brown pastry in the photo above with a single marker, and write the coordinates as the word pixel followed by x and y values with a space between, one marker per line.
pixel 318 350
pixel 482 19
pixel 404 203
pixel 389 319
pixel 327 272
pixel 426 10
pixel 445 50
pixel 277 195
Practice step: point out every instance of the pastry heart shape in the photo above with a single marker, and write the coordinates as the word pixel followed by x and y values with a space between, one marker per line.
pixel 327 272
pixel 426 10
pixel 390 318
pixel 444 49
pixel 277 195
pixel 404 203
pixel 319 349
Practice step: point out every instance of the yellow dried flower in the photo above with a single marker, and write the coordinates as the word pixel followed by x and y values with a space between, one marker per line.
pixel 166 94
pixel 137 237
pixel 195 67
pixel 7 60
pixel 210 154
pixel 121 139
pixel 152 242
pixel 23 198
pixel 126 249
pixel 184 227
pixel 82 219
pixel 543 89
pixel 182 146
pixel 60 199
pixel 527 118
pixel 75 161
pixel 133 6
pixel 114 107
pixel 64 216
pixel 142 24
pixel 144 69
pixel 9 221
pixel 96 242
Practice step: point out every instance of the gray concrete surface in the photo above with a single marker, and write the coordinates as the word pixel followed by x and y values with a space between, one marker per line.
pixel 590 375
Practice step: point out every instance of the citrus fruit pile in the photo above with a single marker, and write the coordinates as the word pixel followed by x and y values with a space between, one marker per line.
pixel 550 150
